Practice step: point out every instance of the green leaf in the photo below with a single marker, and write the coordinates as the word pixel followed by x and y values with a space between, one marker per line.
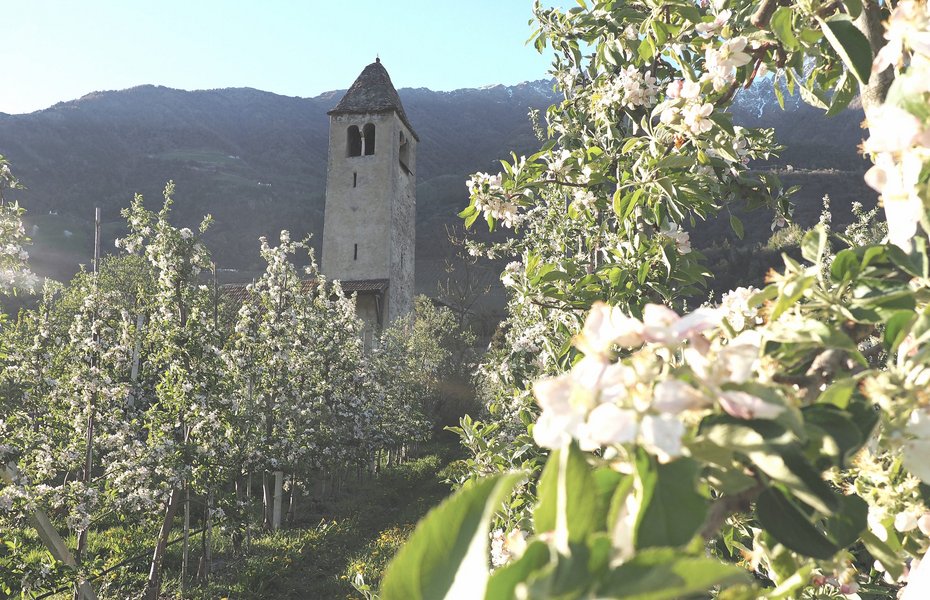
pixel 851 46
pixel 775 451
pixel 469 211
pixel 504 580
pixel 845 266
pixel 896 329
pixel 838 394
pixel 881 552
pixel 779 95
pixel 792 292
pixel 642 272
pixel 814 244
pixel 447 555
pixel 848 523
pixel 665 574
pixel 737 226
pixel 843 94
pixel 725 121
pixel 843 437
pixel 812 98
pixel 782 28
pixel 647 48
pixel 567 504
pixel 675 161
pixel 671 510
pixel 853 7
pixel 618 202
pixel 787 524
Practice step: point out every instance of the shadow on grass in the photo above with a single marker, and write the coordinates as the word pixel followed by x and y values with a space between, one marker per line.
pixel 358 532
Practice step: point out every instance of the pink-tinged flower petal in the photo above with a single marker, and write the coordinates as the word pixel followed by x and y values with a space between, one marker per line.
pixel 923 523
pixel 616 382
pixel 918 424
pixel 673 396
pixel 738 359
pixel 917 449
pixel 554 393
pixel 605 326
pixel 662 325
pixel 657 324
pixel 609 424
pixel 555 431
pixel 918 580
pixel 892 129
pixel 905 521
pixel 902 214
pixel 661 435
pixel 746 406
pixel 624 527
pixel 700 320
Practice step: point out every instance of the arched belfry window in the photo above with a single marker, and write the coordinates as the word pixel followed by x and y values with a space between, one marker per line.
pixel 354 141
pixel 368 136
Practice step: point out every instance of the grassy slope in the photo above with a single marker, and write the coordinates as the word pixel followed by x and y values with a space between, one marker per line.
pixel 357 532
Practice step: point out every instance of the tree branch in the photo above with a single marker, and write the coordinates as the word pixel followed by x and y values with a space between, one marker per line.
pixel 724 506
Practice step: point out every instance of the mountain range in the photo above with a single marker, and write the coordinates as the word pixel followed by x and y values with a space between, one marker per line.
pixel 256 161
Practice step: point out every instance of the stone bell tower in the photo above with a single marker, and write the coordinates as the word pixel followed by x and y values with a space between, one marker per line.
pixel 370 216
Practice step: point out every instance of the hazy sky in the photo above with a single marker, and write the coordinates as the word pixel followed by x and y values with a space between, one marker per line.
pixel 56 50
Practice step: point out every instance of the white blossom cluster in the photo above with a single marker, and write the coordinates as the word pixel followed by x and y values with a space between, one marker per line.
pixel 489 198
pixel 631 88
pixel 602 403
pixel 14 271
pixel 899 139
pixel 506 547
pixel 737 311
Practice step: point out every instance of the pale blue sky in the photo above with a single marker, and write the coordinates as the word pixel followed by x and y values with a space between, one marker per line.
pixel 56 50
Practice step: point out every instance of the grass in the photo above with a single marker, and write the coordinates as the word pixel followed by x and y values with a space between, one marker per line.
pixel 357 533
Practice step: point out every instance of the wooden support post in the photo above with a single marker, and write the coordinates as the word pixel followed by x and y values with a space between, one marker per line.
pixel 92 406
pixel 276 512
pixel 153 585
pixel 50 537
pixel 208 539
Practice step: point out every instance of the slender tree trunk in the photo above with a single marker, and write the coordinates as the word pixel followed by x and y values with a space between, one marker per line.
pixel 185 545
pixel 241 513
pixel 267 499
pixel 153 585
pixel 203 572
pixel 292 506
pixel 248 513
pixel 870 24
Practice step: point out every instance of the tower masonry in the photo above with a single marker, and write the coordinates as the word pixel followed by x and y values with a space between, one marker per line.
pixel 369 223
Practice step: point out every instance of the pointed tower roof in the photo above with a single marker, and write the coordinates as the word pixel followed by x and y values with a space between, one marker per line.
pixel 373 92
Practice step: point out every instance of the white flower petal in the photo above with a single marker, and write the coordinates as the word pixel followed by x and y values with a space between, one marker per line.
pixel 662 436
pixel 609 424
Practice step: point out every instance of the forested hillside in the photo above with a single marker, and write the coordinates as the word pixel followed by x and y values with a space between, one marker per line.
pixel 257 162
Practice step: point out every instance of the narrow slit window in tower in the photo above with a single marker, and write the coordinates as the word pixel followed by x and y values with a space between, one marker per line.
pixel 355 257
pixel 354 179
pixel 354 141
pixel 404 154
pixel 368 135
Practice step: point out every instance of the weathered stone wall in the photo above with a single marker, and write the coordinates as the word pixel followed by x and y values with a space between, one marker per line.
pixel 370 214
pixel 356 238
pixel 403 228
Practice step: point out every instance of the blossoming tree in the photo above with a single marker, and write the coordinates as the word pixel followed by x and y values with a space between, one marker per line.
pixel 774 447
